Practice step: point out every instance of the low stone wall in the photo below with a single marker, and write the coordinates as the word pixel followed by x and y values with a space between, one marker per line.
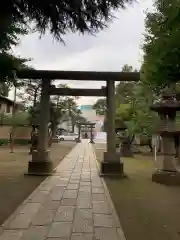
pixel 22 135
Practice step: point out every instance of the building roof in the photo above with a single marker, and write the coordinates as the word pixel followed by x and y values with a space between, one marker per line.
pixel 7 100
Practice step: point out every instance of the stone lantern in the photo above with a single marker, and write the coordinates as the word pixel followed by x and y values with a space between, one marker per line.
pixel 166 108
pixel 125 142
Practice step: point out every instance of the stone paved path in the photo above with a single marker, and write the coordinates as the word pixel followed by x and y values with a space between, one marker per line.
pixel 73 204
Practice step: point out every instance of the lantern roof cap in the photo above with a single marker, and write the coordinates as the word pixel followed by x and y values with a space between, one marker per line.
pixel 167 102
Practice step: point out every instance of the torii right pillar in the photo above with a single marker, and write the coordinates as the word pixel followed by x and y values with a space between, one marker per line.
pixel 111 165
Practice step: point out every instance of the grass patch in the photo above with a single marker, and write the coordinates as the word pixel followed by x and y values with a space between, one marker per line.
pixel 147 210
pixel 14 186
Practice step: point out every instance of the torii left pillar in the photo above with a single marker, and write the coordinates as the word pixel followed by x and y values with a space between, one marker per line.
pixel 40 163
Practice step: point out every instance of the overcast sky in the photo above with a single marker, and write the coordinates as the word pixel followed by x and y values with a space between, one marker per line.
pixel 109 50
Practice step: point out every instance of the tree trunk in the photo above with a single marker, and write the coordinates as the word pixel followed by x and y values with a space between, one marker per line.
pixel 150 146
pixel 13 121
pixel 159 144
pixel 53 128
pixel 73 126
pixel 33 127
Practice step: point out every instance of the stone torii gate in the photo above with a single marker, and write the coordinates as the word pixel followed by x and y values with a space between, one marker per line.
pixel 89 126
pixel 41 163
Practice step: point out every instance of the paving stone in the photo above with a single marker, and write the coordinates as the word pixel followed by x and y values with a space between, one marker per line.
pixel 70 194
pixel 96 178
pixel 78 165
pixel 104 233
pixel 58 238
pixel 64 173
pixel 84 202
pixel 43 217
pixel 82 194
pixel 103 220
pixel 21 221
pixel 82 236
pixel 57 193
pixel 11 235
pixel 98 197
pixel 40 196
pixel 36 233
pixel 85 179
pixel 64 179
pixel 77 168
pixel 75 177
pixel 93 174
pixel 72 186
pixel 85 189
pixel 96 184
pixel 101 207
pixel 51 205
pixel 86 176
pixel 46 186
pixel 85 183
pixel 69 202
pixel 76 174
pixel 74 181
pixel 97 190
pixel 60 230
pixel 30 208
pixel 83 221
pixel 96 181
pixel 61 184
pixel 64 214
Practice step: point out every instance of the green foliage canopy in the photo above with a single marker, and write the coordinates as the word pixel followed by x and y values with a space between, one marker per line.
pixel 133 101
pixel 100 106
pixel 63 16
pixel 10 32
pixel 161 66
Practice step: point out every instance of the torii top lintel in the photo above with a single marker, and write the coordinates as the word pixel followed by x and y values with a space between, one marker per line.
pixel 86 124
pixel 78 75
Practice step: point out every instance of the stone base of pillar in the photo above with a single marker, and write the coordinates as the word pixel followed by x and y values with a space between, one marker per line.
pixel 40 164
pixel 111 166
pixel 170 178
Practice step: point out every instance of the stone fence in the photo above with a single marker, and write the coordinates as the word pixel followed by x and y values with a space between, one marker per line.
pixel 22 134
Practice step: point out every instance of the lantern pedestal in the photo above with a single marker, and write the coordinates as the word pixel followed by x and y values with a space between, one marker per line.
pixel 125 147
pixel 171 178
